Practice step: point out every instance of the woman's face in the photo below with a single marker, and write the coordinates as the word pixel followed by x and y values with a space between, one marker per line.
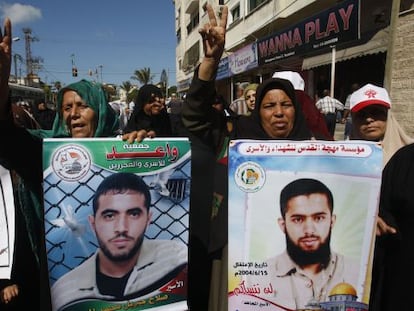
pixel 154 106
pixel 250 99
pixel 277 113
pixel 370 122
pixel 81 120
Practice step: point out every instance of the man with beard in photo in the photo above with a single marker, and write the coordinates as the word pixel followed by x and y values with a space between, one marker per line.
pixel 308 269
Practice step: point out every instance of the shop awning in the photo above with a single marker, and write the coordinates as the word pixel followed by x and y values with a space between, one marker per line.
pixel 377 44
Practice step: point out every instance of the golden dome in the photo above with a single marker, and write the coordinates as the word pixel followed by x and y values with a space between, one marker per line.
pixel 343 289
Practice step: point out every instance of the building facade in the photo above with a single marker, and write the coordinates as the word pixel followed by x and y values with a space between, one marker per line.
pixel 331 43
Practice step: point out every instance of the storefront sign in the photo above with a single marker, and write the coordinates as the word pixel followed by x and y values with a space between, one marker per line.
pixel 223 69
pixel 243 59
pixel 335 25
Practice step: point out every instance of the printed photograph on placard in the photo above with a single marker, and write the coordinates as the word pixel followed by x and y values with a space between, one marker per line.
pixel 116 222
pixel 301 224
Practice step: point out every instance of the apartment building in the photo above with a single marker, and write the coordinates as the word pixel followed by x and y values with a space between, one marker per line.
pixel 331 43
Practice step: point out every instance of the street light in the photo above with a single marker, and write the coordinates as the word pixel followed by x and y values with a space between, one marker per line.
pixel 15 58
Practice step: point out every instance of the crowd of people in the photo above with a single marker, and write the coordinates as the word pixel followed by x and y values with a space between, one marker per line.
pixel 277 108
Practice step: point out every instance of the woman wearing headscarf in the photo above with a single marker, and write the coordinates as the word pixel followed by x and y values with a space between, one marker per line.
pixel 372 120
pixel 82 111
pixel 150 113
pixel 250 96
pixel 277 115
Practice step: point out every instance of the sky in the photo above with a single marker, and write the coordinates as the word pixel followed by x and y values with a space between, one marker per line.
pixel 118 37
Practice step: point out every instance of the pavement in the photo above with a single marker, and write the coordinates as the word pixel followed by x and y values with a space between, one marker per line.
pixel 339 131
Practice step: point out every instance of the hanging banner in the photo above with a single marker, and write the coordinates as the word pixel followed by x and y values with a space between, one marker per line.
pixel 116 222
pixel 7 224
pixel 302 224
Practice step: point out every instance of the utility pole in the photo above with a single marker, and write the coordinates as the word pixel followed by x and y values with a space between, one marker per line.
pixel 29 60
pixel 16 57
pixel 166 83
pixel 74 69
pixel 100 67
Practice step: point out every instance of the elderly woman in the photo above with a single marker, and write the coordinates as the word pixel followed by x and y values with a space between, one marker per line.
pixel 82 111
pixel 276 115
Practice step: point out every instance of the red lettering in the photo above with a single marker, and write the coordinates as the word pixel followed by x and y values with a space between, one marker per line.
pixel 263 48
pixel 309 31
pixel 272 48
pixel 346 16
pixel 287 40
pixel 319 34
pixel 297 39
pixel 332 25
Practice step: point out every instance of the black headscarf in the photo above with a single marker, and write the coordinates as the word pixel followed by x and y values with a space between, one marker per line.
pixel 250 127
pixel 140 120
pixel 145 95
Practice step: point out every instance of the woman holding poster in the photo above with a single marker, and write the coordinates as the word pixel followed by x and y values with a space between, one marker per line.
pixel 82 111
pixel 277 115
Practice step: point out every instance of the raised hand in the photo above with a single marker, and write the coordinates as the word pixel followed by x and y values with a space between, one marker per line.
pixel 214 39
pixel 5 65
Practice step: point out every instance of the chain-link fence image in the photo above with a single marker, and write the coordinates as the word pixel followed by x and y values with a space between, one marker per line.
pixel 69 238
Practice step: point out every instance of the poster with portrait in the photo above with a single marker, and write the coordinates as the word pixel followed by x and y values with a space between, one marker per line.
pixel 7 223
pixel 302 224
pixel 116 222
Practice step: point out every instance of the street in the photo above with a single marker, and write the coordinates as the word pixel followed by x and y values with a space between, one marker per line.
pixel 339 131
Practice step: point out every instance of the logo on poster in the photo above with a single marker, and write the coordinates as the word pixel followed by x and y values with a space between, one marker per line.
pixel 250 177
pixel 71 162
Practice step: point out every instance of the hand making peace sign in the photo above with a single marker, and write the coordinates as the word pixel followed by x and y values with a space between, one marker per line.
pixel 214 38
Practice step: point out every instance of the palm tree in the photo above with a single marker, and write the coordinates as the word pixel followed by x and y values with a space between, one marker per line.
pixel 128 88
pixel 143 75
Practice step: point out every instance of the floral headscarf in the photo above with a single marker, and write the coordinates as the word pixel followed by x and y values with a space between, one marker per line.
pixel 94 95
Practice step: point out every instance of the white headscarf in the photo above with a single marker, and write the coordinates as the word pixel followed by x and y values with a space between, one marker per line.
pixel 394 138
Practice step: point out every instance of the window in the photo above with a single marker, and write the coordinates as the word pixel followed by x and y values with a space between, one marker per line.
pixel 254 4
pixel 193 22
pixel 191 57
pixel 178 35
pixel 235 13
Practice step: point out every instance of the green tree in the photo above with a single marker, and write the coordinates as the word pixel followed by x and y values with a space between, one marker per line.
pixel 172 89
pixel 129 90
pixel 143 75
pixel 126 86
